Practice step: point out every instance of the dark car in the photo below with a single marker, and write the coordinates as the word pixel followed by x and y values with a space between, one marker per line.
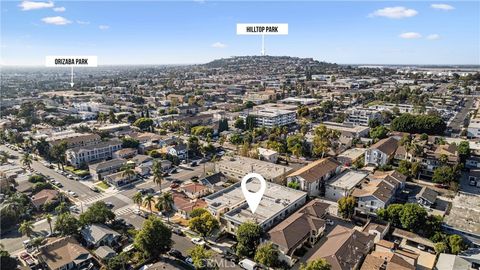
pixel 177 254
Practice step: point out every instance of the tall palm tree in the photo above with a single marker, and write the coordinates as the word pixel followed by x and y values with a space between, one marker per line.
pixel 157 174
pixel 138 199
pixel 26 228
pixel 165 203
pixel 27 160
pixel 49 220
pixel 148 201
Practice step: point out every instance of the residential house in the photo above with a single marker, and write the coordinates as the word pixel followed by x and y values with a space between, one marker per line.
pixel 120 179
pixel 267 155
pixel 381 152
pixel 104 253
pixel 64 254
pixel 43 197
pixel 179 151
pixel 344 248
pixel 143 164
pixel 195 190
pixel 102 169
pixel 351 156
pixel 426 197
pixel 304 226
pixel 312 177
pixel 373 194
pixel 125 153
pixel 97 235
pixel 385 260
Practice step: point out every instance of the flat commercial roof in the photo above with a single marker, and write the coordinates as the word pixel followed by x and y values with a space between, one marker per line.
pixel 347 180
pixel 465 213
pixel 243 165
pixel 353 153
pixel 275 199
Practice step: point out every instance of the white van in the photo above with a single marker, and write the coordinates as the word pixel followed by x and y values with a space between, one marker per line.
pixel 248 264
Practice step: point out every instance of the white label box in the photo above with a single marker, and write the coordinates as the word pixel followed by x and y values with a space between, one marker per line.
pixel 258 29
pixel 70 61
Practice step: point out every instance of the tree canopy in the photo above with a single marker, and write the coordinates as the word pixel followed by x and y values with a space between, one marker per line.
pixel 423 123
pixel 154 238
pixel 248 237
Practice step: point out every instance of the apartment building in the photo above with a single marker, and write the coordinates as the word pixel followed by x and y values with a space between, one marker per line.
pixel 312 177
pixel 277 203
pixel 237 167
pixel 381 152
pixel 74 139
pixel 91 153
pixel 361 116
pixel 102 169
pixel 270 117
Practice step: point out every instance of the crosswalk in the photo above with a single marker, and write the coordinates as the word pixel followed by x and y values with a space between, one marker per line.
pixel 93 198
pixel 124 211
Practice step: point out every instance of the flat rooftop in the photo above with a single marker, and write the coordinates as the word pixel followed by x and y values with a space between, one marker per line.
pixel 353 153
pixel 275 199
pixel 347 180
pixel 244 165
pixel 344 127
pixel 465 213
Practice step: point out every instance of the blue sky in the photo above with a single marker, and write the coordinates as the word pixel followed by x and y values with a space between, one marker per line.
pixel 153 32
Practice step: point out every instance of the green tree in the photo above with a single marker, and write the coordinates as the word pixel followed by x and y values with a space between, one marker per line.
pixel 464 150
pixel 320 264
pixel 346 206
pixel 49 219
pixel 379 132
pixel 98 212
pixel 294 185
pixel 27 160
pixel 26 228
pixel 444 174
pixel 200 256
pixel 119 262
pixel 57 152
pixel 441 247
pixel 143 123
pixel 323 140
pixel 205 224
pixel 154 238
pixel 61 208
pixel 391 214
pixel 128 142
pixel 248 237
pixel 295 144
pixel 250 122
pixel 157 173
pixel 7 261
pixel 413 216
pixel 456 243
pixel 198 212
pixel 137 199
pixel 165 202
pixel 239 123
pixel 148 201
pixel 267 254
pixel 128 172
pixel 67 224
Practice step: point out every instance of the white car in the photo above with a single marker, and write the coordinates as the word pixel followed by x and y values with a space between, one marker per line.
pixel 329 222
pixel 198 241
pixel 72 193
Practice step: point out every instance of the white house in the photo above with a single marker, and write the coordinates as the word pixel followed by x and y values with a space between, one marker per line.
pixel 381 152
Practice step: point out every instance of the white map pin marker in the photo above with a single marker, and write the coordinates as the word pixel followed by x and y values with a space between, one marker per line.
pixel 253 198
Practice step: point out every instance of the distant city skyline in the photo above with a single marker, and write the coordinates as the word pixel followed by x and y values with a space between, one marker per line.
pixel 196 32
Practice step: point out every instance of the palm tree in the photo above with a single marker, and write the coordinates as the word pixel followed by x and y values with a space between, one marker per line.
pixel 165 203
pixel 26 228
pixel 37 242
pixel 138 199
pixel 157 174
pixel 49 220
pixel 27 160
pixel 148 200
pixel 128 172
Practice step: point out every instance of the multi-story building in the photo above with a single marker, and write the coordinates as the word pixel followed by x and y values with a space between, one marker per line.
pixel 102 169
pixel 361 116
pixel 74 139
pixel 269 117
pixel 277 203
pixel 311 178
pixel 87 154
pixel 381 152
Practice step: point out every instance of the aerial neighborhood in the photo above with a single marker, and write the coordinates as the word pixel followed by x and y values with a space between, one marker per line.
pixel 367 167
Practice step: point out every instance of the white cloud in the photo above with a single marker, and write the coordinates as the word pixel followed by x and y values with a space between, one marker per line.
pixel 57 20
pixel 83 22
pixel 30 5
pixel 59 9
pixel 394 12
pixel 433 37
pixel 219 45
pixel 410 35
pixel 104 27
pixel 442 7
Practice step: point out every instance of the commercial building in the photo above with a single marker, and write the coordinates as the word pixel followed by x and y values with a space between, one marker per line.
pixel 277 203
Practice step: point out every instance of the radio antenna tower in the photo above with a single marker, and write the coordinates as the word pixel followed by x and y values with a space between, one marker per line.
pixel 263 45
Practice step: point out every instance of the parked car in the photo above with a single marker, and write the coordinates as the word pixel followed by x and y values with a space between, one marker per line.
pixel 174 185
pixel 94 189
pixel 441 186
pixel 329 221
pixel 177 231
pixel 248 264
pixel 72 193
pixel 194 178
pixel 109 205
pixel 177 254
pixel 198 241
pixel 421 247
